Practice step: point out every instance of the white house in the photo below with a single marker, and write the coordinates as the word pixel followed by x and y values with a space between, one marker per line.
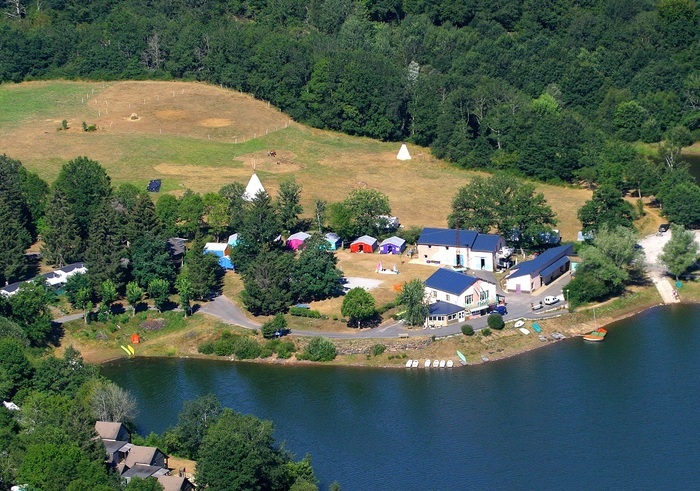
pixel 462 248
pixel 472 295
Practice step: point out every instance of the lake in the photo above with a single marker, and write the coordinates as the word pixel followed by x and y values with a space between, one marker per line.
pixel 694 161
pixel 618 414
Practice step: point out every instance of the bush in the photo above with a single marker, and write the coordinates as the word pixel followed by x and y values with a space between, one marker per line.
pixel 377 349
pixel 467 330
pixel 275 327
pixel 246 348
pixel 319 349
pixel 302 312
pixel 495 321
pixel 225 346
pixel 266 352
pixel 206 348
pixel 486 331
pixel 387 306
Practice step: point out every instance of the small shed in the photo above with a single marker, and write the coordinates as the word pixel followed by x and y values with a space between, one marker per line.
pixel 392 245
pixel 295 241
pixel 221 251
pixel 334 240
pixel 364 244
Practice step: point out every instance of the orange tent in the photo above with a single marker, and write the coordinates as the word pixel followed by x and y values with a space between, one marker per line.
pixel 135 338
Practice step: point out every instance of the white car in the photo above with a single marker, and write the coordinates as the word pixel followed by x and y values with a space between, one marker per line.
pixel 550 300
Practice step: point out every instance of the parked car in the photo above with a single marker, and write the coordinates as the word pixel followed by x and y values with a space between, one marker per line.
pixel 550 300
pixel 664 227
pixel 499 309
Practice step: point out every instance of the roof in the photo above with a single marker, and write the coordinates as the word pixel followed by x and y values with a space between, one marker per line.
pixel 447 237
pixel 554 266
pixel 298 236
pixel 142 471
pixel 108 429
pixel 112 446
pixel 548 258
pixel 173 483
pixel 449 281
pixel 72 267
pixel 253 188
pixel 141 455
pixel 10 289
pixel 176 246
pixel 444 308
pixel 395 241
pixel 486 243
pixel 365 239
pixel 332 237
pixel 233 238
pixel 215 247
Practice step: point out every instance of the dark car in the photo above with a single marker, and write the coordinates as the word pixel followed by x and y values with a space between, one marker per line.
pixel 664 227
pixel 499 309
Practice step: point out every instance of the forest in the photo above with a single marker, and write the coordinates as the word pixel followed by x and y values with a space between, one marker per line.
pixel 554 90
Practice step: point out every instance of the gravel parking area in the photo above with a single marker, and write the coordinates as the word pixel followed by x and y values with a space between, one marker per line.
pixel 355 282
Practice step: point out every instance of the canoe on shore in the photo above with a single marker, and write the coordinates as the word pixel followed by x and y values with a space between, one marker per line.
pixel 596 336
pixel 524 330
pixel 462 358
pixel 519 324
pixel 536 327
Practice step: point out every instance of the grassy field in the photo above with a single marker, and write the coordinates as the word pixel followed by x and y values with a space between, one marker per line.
pixel 201 137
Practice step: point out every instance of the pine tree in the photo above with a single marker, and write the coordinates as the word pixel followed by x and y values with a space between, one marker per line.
pixel 141 219
pixel 14 239
pixel 105 250
pixel 288 206
pixel 62 242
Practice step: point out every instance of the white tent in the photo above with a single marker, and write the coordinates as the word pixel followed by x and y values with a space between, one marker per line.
pixel 403 153
pixel 254 187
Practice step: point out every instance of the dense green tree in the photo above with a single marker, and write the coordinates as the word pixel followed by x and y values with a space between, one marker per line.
pixel 185 291
pixel 680 252
pixel 79 293
pixel 62 242
pixel 150 259
pixel 12 330
pixel 159 291
pixel 202 271
pixel 141 219
pixel 239 453
pixel 190 211
pixel 606 207
pixel 273 328
pixel 108 293
pixel 196 417
pixel 259 232
pixel 358 306
pixel 368 210
pixel 63 376
pixel 86 186
pixel 268 283
pixel 30 307
pixel 134 295
pixel 126 195
pixel 681 203
pixel 52 467
pixel 105 248
pixel 14 240
pixel 12 195
pixel 35 192
pixel 233 194
pixel 412 298
pixel 216 213
pixel 288 206
pixel 316 276
pixel 15 368
pixel 147 484
pixel 340 221
pixel 167 213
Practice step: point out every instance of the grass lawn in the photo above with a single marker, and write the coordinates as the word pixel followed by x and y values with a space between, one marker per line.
pixel 201 137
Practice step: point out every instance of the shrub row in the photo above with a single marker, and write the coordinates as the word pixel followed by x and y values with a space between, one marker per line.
pixel 302 312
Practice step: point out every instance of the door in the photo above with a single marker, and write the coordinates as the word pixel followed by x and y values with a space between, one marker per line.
pixel 483 263
pixel 458 260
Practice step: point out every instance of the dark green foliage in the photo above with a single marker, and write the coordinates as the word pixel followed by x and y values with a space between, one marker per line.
pixel 233 193
pixel 358 305
pixel 467 330
pixel 267 281
pixel 206 348
pixel 202 271
pixel 606 208
pixel 65 375
pixel 680 252
pixel 319 349
pixel 274 327
pixel 16 223
pixel 141 219
pixel 316 276
pixel 14 367
pixel 189 214
pixel 35 192
pixel 288 207
pixel 167 213
pixel 260 231
pixel 158 291
pixel 105 249
pixel 377 349
pixel 150 259
pixel 495 321
pixel 412 297
pixel 196 417
pixel 486 331
pixel 62 241
pixel 148 484
pixel 30 308
pixel 238 453
pixel 12 330
pixel 367 207
pixel 303 312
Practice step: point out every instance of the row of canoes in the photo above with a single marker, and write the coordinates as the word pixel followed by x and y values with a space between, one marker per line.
pixel 429 363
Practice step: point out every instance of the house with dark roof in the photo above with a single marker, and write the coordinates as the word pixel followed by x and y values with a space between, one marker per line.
pixel 528 276
pixel 109 430
pixel 175 483
pixel 467 249
pixel 454 296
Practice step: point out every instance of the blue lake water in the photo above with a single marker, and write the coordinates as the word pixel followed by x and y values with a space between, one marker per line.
pixel 624 413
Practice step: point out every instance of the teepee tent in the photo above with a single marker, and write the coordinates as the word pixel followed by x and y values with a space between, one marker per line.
pixel 403 153
pixel 254 187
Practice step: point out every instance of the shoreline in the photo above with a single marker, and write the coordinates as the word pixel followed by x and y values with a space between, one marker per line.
pixel 500 345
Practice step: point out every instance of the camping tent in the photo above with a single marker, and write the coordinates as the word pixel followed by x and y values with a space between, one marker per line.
pixel 296 240
pixel 403 153
pixel 392 245
pixel 254 187
pixel 334 241
pixel 364 244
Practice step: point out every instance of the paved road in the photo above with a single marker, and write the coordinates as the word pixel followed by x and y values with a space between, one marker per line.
pixel 224 309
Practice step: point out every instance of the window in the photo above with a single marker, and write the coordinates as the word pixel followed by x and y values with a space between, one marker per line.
pixel 433 293
pixel 468 299
pixel 483 295
pixel 447 248
pixel 447 297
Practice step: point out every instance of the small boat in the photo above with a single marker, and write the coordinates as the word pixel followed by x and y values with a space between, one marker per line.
pixel 462 358
pixel 536 327
pixel 524 331
pixel 409 363
pixel 442 363
pixel 558 335
pixel 414 364
pixel 484 358
pixel 436 363
pixel 542 338
pixel 427 364
pixel 125 349
pixel 450 364
pixel 596 336
pixel 519 324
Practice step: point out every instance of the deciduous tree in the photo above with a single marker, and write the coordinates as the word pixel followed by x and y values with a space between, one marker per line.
pixel 359 306
pixel 413 299
pixel 680 252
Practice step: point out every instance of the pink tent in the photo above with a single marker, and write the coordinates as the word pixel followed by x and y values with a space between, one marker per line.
pixel 295 241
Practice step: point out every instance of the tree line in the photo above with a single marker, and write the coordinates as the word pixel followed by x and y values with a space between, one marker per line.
pixel 538 90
